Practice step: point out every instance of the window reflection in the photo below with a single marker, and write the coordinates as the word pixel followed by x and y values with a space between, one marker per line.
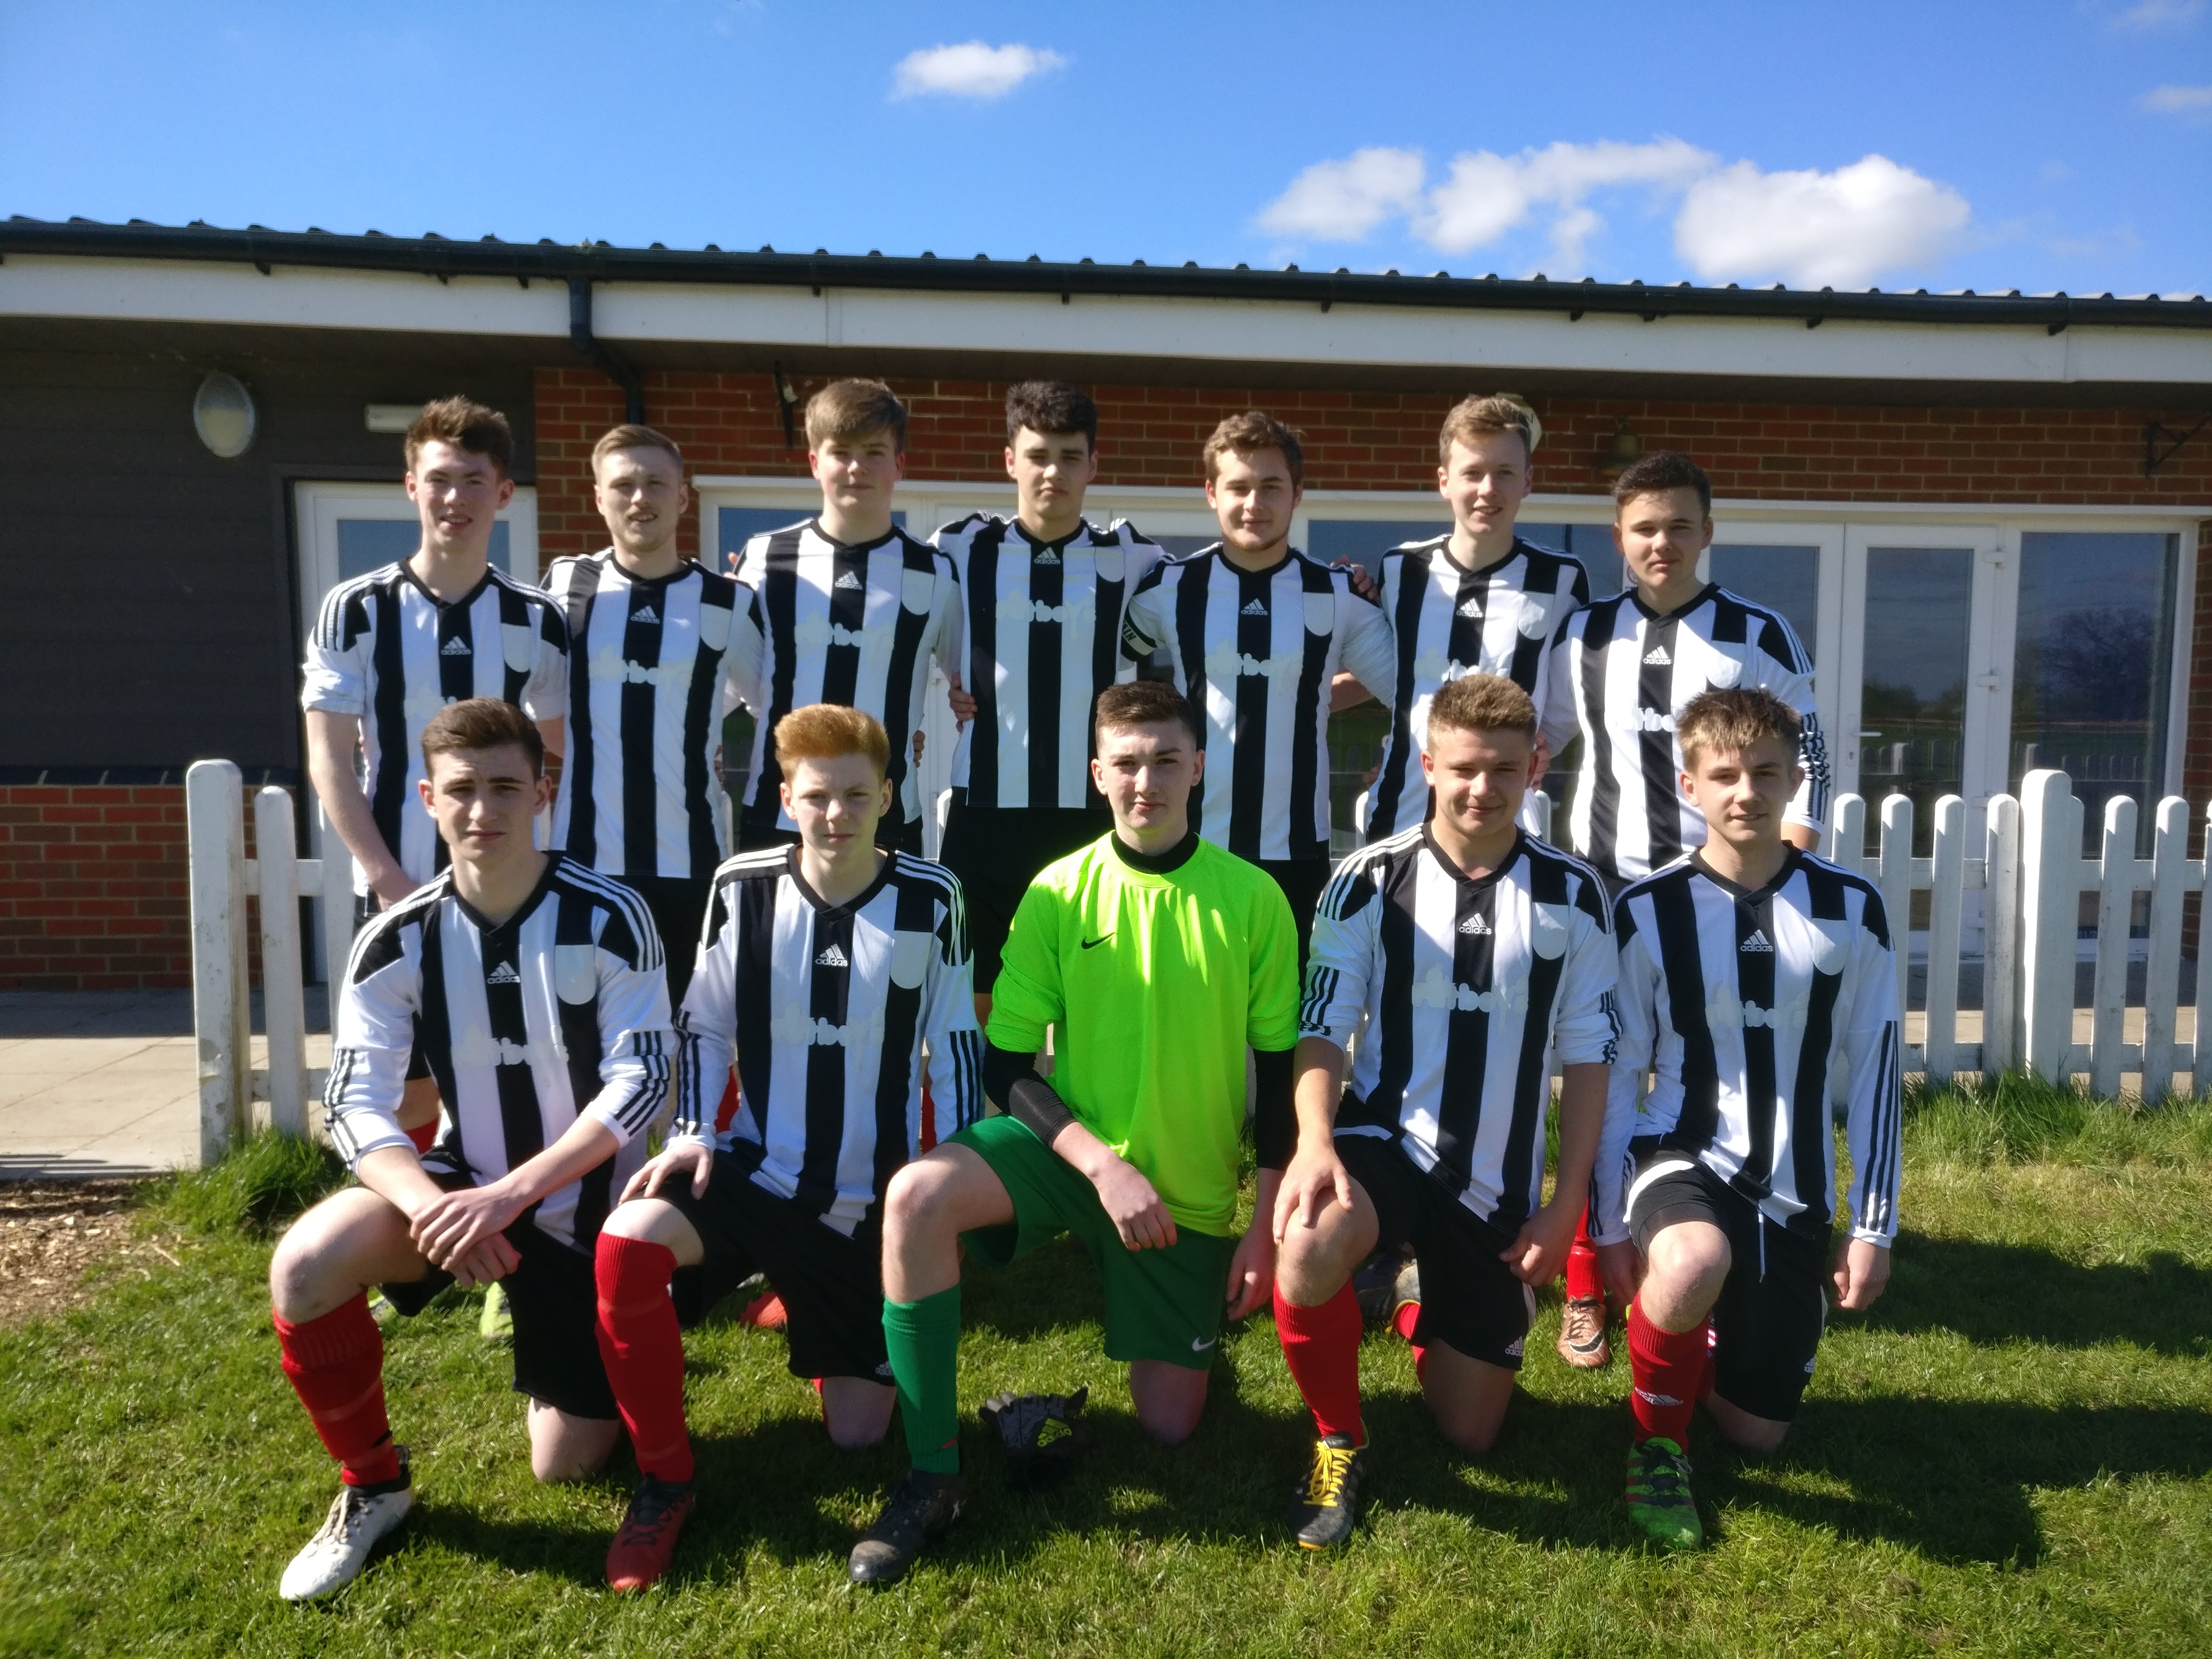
pixel 1784 578
pixel 1912 699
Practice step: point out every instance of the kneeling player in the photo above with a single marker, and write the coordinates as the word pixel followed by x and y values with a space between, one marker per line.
pixel 1155 957
pixel 1750 973
pixel 1465 956
pixel 825 967
pixel 534 988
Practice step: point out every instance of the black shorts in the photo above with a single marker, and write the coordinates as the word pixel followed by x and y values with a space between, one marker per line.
pixel 364 909
pixel 997 851
pixel 1301 881
pixel 832 1286
pixel 555 1303
pixel 892 834
pixel 1469 1298
pixel 1767 1323
pixel 678 904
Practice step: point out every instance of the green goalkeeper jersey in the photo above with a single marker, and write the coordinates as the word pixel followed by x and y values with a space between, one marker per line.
pixel 1155 980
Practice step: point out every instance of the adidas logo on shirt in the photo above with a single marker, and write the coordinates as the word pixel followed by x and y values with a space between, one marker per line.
pixel 1474 925
pixel 644 613
pixel 1256 608
pixel 1757 941
pixel 1046 556
pixel 832 958
pixel 1657 657
pixel 455 647
pixel 850 580
pixel 503 975
pixel 1472 607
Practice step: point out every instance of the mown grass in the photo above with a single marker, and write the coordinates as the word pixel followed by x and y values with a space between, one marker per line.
pixel 2010 1455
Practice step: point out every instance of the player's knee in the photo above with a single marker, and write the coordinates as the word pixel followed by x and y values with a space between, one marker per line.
pixel 1683 1260
pixel 1472 1434
pixel 637 1219
pixel 1170 1422
pixel 1308 1268
pixel 300 1266
pixel 850 1433
pixel 911 1199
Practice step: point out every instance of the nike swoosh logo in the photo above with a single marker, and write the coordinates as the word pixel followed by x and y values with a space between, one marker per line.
pixel 1093 943
pixel 1197 1346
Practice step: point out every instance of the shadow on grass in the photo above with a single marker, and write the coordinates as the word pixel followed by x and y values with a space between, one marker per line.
pixel 1996 1293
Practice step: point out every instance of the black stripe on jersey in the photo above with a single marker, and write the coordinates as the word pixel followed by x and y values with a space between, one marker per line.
pixel 899 715
pixel 701 710
pixel 456 648
pixel 514 612
pixel 1542 577
pixel 1466 1054
pixel 1604 787
pixel 1825 899
pixel 434 1024
pixel 580 1036
pixel 1463 642
pixel 1754 985
pixel 756 983
pixel 848 611
pixel 1523 1166
pixel 915 914
pixel 1048 587
pixel 1654 703
pixel 1255 639
pixel 522 1128
pixel 1192 583
pixel 1104 645
pixel 828 985
pixel 1307 840
pixel 983 555
pixel 779 599
pixel 1674 910
pixel 583 837
pixel 389 713
pixel 640 788
pixel 1405 625
pixel 1387 1100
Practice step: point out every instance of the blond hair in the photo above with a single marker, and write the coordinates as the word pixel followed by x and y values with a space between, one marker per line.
pixel 1482 702
pixel 826 730
pixel 1480 413
pixel 1728 722
pixel 631 436
pixel 855 408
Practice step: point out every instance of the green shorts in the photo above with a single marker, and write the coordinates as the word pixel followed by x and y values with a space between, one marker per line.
pixel 1160 1304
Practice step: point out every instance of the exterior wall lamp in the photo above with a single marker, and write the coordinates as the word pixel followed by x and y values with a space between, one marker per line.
pixel 223 415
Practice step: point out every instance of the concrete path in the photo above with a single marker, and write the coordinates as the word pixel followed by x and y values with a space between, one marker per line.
pixel 102 1084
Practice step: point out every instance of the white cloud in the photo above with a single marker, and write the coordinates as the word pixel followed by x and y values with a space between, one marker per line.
pixel 2158 14
pixel 970 70
pixel 1810 229
pixel 1485 195
pixel 2192 103
pixel 1342 201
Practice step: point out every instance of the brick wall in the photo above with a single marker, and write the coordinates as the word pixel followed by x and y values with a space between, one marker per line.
pixel 732 423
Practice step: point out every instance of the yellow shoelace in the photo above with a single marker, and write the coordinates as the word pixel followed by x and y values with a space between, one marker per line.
pixel 1330 1465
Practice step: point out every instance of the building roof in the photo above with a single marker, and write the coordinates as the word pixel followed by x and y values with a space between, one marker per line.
pixel 438 256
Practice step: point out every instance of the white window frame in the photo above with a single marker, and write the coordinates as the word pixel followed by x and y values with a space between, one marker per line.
pixel 317 506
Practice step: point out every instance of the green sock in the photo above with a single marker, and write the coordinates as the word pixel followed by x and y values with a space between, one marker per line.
pixel 924 1341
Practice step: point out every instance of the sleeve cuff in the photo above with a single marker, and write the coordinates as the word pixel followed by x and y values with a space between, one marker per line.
pixel 1867 1236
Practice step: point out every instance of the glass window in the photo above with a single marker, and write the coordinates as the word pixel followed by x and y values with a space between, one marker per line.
pixel 1176 546
pixel 1365 541
pixel 1913 699
pixel 366 545
pixel 2091 664
pixel 1784 579
pixel 736 525
pixel 1591 542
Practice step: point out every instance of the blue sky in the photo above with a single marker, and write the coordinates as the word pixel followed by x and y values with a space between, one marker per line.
pixel 2059 145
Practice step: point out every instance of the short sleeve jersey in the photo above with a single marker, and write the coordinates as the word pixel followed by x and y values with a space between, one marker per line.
pixel 1156 980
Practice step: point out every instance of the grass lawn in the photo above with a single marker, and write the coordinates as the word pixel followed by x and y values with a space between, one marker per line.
pixel 2013 1453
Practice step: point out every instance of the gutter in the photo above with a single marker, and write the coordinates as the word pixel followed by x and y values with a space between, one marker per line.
pixel 597 262
pixel 594 351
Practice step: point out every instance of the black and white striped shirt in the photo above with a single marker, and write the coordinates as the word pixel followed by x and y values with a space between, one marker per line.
pixel 854 625
pixel 560 1011
pixel 1041 623
pixel 829 1011
pixel 1622 676
pixel 1755 1010
pixel 1461 993
pixel 385 649
pixel 1255 654
pixel 653 667
pixel 1448 621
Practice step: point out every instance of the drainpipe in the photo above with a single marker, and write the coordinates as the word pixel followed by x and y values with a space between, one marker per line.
pixel 595 351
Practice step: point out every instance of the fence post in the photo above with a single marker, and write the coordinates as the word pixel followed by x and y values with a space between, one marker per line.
pixel 214 825
pixel 283 1010
pixel 2169 872
pixel 2000 962
pixel 2108 997
pixel 1846 843
pixel 1893 875
pixel 1947 888
pixel 2050 905
pixel 2199 1060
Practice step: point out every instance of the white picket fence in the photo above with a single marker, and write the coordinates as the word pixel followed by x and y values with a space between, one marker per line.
pixel 2029 870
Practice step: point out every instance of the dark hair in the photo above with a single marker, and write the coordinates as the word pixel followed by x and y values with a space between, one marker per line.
pixel 1252 431
pixel 1662 470
pixel 467 425
pixel 482 723
pixel 629 436
pixel 1730 721
pixel 853 409
pixel 1050 407
pixel 1143 703
pixel 1482 702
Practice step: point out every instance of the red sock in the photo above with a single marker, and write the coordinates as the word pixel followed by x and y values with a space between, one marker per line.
pixel 1664 1370
pixel 727 1108
pixel 1584 1282
pixel 1322 1346
pixel 424 1135
pixel 1403 1322
pixel 337 1366
pixel 643 1352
